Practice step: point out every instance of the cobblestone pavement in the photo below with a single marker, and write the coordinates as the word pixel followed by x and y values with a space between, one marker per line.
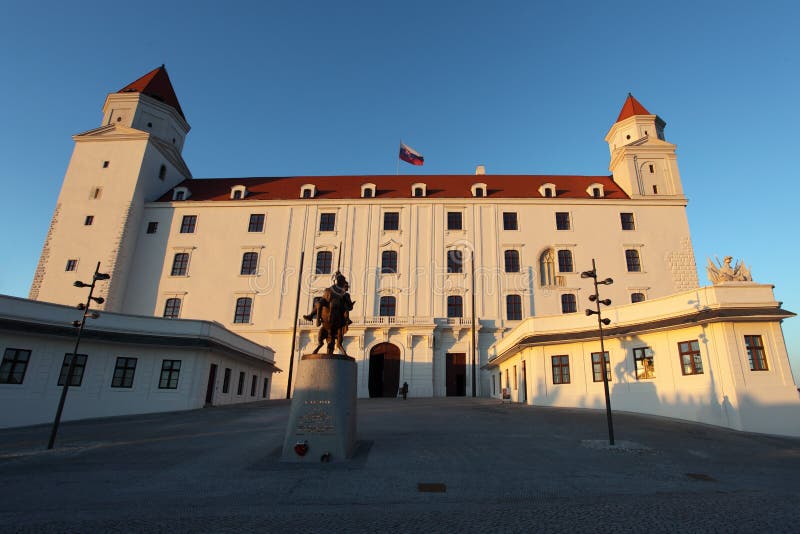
pixel 502 467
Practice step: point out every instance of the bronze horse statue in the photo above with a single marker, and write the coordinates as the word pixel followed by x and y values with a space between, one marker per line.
pixel 332 313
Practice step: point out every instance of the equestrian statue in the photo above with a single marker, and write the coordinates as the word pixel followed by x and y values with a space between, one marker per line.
pixel 332 311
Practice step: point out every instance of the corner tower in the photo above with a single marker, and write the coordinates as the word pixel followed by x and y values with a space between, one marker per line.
pixel 642 161
pixel 132 158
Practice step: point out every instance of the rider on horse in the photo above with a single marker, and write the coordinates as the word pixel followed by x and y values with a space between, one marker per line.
pixel 337 291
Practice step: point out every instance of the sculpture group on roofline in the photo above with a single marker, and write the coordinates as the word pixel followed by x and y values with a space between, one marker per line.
pixel 724 272
pixel 332 312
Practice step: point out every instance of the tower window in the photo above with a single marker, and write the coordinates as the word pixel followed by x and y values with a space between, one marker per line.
pixel 152 227
pixel 565 261
pixel 755 353
pixel 172 308
pixel 513 307
pixel 149 124
pixel 180 264
pixel 626 219
pixel 71 265
pixel 188 224
pixel 96 192
pixel 655 189
pixel 105 164
pixel 88 220
pixel 249 263
pixel 162 172
pixel 651 169
pixel 244 306
pixel 637 297
pixel 633 261
pixel 511 258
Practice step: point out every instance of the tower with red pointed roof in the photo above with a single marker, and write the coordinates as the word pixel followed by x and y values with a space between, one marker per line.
pixel 132 158
pixel 642 161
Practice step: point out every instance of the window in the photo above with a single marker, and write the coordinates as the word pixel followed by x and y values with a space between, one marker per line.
pixel 256 223
pixel 253 386
pixel 562 220
pixel 455 307
pixel 172 308
pixel 123 373
pixel 633 260
pixel 249 263
pixel 188 224
pixel 568 303
pixel 515 378
pixel 391 220
pixel 327 222
pixel 152 227
pixel 97 192
pixel 510 220
pixel 71 265
pixel 565 261
pixel 626 219
pixel 655 189
pixel 597 374
pixel 388 262
pixel 180 264
pixel 637 297
pixel 170 369
pixel 367 193
pixel 179 195
pixel 548 192
pixel 652 170
pixel 15 363
pixel 455 263
pixel 691 363
pixel 560 369
pixel 77 370
pixel 387 306
pixel 513 307
pixel 240 387
pixel 243 307
pixel 266 388
pixel 307 192
pixel 162 172
pixel 88 220
pixel 419 192
pixel 511 261
pixel 755 353
pixel 237 194
pixel 226 381
pixel 105 164
pixel 643 360
pixel 454 220
pixel 324 261
pixel 480 192
pixel 596 192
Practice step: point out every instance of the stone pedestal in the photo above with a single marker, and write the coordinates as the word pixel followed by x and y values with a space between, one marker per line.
pixel 322 419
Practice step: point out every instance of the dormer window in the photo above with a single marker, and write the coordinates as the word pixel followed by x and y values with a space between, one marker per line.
pixel 238 192
pixel 181 193
pixel 478 190
pixel 547 190
pixel 368 191
pixel 595 191
pixel 419 190
pixel 308 191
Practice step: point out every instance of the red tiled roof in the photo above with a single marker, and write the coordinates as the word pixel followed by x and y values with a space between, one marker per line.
pixel 630 108
pixel 399 186
pixel 155 84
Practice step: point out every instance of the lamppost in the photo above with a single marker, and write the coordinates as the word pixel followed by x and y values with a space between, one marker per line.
pixel 79 325
pixel 600 322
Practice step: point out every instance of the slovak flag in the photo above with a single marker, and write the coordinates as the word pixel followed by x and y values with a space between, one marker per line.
pixel 410 155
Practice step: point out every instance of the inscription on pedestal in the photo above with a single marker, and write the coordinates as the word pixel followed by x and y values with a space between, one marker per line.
pixel 317 419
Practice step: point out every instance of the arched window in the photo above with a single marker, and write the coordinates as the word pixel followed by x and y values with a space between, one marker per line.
pixel 368 193
pixel 418 189
pixel 172 308
pixel 512 261
pixel 162 172
pixel 455 306
pixel 237 195
pixel 388 306
pixel 368 190
pixel 637 297
pixel 513 307
pixel 324 261
pixel 565 261
pixel 244 306
pixel 547 275
pixel 180 264
pixel 633 261
pixel 249 263
pixel 388 261
pixel 568 303
pixel 419 192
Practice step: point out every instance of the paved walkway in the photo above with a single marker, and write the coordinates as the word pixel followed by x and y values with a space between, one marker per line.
pixel 484 467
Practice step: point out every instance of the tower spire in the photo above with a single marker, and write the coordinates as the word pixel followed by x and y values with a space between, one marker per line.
pixel 155 84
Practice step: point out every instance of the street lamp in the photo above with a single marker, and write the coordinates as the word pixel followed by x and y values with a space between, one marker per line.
pixel 600 322
pixel 79 325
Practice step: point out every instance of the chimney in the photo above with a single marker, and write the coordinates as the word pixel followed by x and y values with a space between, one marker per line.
pixel 480 169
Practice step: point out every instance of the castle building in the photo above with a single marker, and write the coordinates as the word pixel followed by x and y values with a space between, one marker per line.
pixel 433 261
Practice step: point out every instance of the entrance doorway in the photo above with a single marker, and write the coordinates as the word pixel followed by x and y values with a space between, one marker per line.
pixel 212 378
pixel 384 370
pixel 456 374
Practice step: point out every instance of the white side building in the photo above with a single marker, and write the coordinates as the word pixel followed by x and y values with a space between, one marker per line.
pixel 418 250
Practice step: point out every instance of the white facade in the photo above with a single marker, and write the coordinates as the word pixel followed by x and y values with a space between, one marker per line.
pixel 35 338
pixel 633 223
pixel 724 386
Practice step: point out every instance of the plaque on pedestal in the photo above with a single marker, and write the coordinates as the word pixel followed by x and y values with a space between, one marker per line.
pixel 322 419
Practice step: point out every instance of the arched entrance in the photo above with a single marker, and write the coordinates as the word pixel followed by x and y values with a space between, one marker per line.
pixel 384 370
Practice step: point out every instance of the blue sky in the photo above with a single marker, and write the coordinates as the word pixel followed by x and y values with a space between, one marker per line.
pixel 291 88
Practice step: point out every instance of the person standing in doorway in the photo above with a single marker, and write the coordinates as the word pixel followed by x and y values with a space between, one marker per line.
pixel 404 390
